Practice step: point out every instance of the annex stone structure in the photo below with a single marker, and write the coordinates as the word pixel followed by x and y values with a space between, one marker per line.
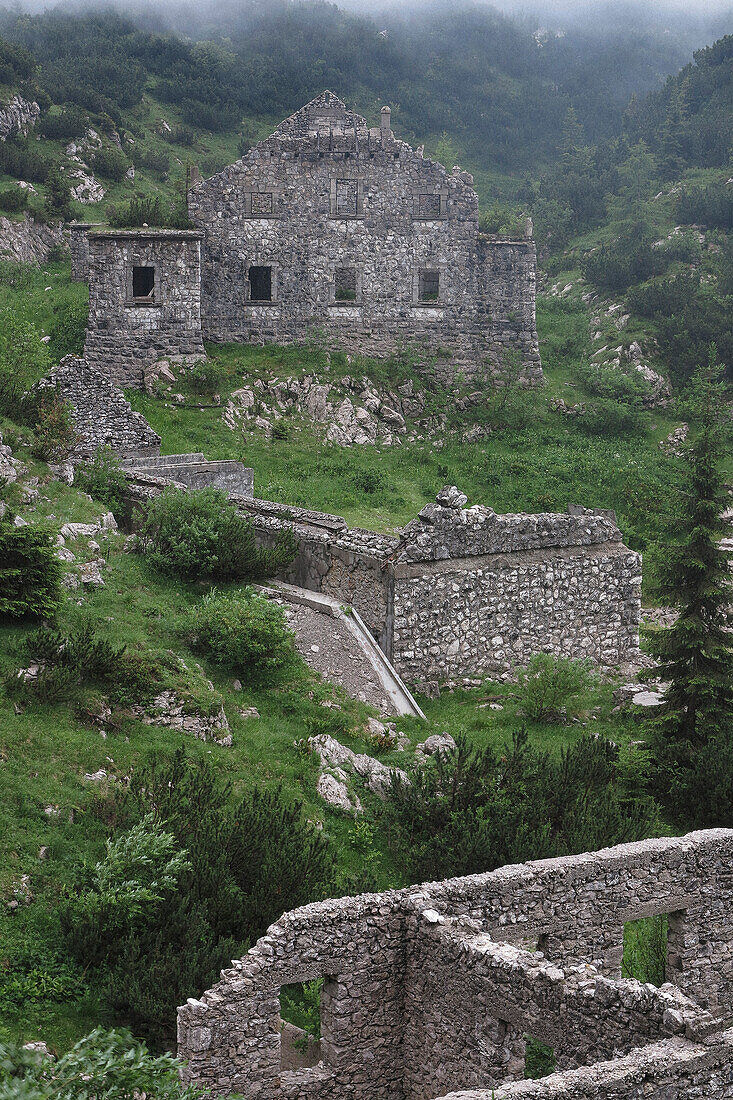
pixel 464 592
pixel 433 990
pixel 327 228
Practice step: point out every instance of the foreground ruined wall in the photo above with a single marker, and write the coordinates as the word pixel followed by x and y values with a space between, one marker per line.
pixel 327 200
pixel 431 990
pixel 126 333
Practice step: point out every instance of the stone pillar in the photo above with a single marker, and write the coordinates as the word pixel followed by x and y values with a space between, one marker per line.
pixel 385 125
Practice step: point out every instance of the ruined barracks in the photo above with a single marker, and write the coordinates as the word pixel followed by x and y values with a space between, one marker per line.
pixel 328 229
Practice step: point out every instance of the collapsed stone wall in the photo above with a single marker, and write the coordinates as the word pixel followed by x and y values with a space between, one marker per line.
pixel 101 414
pixel 130 329
pixel 328 202
pixel 421 997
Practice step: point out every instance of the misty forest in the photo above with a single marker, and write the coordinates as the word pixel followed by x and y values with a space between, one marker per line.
pixel 314 593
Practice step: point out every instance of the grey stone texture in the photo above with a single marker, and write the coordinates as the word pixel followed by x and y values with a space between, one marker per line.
pixel 79 246
pixel 132 326
pixel 28 242
pixel 467 592
pixel 367 243
pixel 432 989
pixel 101 414
pixel 18 116
pixel 196 472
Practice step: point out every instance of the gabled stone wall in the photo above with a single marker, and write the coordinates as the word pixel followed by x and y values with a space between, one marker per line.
pixel 432 988
pixel 101 414
pixel 327 200
pixel 125 333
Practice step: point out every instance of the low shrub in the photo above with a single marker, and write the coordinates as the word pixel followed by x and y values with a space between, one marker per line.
pixel 243 632
pixel 110 163
pixel 30 572
pixel 206 378
pixel 55 435
pixel 68 329
pixel 103 479
pixel 68 662
pixel 24 360
pixel 199 533
pixel 550 685
pixel 70 122
pixel 13 199
pixel 613 418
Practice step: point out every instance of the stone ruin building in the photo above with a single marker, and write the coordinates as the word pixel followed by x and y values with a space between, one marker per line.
pixel 433 991
pixel 328 227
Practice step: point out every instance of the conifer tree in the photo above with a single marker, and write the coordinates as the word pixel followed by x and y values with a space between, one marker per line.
pixel 693 736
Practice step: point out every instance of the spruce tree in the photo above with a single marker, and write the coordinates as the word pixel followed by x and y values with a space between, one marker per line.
pixel 693 735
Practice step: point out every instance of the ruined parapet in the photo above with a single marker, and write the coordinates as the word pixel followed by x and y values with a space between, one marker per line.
pixel 101 414
pixel 433 988
pixel 475 592
pixel 194 471
pixel 333 224
pixel 79 245
pixel 144 301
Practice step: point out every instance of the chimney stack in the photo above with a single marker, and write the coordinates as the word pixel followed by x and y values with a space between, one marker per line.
pixel 385 124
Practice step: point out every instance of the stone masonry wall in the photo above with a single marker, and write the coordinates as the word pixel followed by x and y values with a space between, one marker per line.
pixel 328 201
pixel 79 246
pixel 672 1069
pixel 126 333
pixel 420 996
pixel 101 415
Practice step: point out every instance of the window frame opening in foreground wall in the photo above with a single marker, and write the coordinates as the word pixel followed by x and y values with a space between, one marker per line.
pixel 143 286
pixel 306 1056
pixel 270 283
pixel 425 276
pixel 346 289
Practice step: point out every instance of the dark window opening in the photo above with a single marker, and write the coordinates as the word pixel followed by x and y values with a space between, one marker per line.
pixel 143 283
pixel 260 284
pixel 429 206
pixel 429 286
pixel 300 1024
pixel 345 284
pixel 539 1059
pixel 346 197
pixel 645 949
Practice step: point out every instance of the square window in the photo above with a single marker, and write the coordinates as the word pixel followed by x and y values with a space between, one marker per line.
pixel 429 206
pixel 428 285
pixel 346 197
pixel 260 284
pixel 345 284
pixel 143 284
pixel 261 202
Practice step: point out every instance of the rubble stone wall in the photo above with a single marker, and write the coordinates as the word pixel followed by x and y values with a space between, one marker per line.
pixel 79 246
pixel 326 202
pixel 125 334
pixel 409 983
pixel 101 414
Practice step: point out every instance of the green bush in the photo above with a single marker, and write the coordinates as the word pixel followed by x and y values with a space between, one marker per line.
pixel 472 809
pixel 24 360
pixel 199 533
pixel 550 685
pixel 148 211
pixel 57 203
pixel 30 572
pixel 108 1065
pixel 70 122
pixel 206 378
pixel 13 199
pixel 68 329
pixel 243 632
pixel 606 417
pixel 110 163
pixel 55 435
pixel 250 860
pixel 69 661
pixel 103 479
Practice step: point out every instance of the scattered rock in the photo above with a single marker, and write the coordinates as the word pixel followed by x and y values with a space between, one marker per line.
pixel 335 792
pixel 335 758
pixel 436 743
pixel 170 712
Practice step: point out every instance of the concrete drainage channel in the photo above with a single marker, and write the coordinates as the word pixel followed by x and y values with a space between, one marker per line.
pixel 335 641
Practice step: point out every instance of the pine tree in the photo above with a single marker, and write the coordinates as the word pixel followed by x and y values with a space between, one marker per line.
pixel 58 196
pixel 692 735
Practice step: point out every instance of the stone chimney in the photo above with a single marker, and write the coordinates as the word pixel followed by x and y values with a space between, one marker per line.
pixel 385 125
